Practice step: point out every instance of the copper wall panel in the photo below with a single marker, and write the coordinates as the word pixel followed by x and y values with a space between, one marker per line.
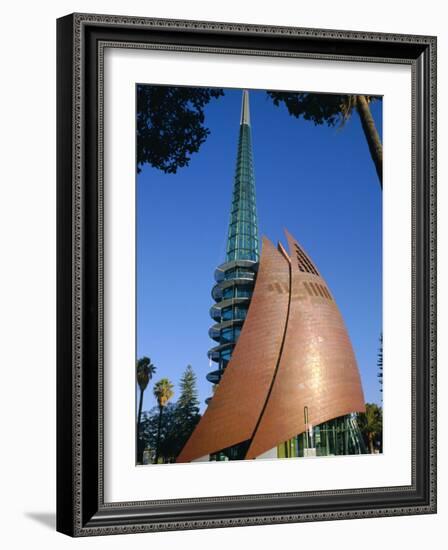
pixel 236 406
pixel 317 367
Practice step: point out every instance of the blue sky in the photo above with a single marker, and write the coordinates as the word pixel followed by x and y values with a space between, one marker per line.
pixel 318 182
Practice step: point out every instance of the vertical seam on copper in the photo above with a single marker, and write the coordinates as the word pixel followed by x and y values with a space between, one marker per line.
pixel 254 433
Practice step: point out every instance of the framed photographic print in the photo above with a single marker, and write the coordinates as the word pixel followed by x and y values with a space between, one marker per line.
pixel 246 284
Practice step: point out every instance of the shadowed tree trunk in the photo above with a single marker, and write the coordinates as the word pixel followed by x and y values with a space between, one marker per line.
pixel 145 371
pixel 159 428
pixel 140 407
pixel 372 137
pixel 140 444
pixel 163 392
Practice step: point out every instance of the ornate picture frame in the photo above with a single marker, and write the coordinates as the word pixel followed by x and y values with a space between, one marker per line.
pixel 81 506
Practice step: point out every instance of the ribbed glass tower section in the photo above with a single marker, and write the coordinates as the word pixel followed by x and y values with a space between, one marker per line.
pixel 235 277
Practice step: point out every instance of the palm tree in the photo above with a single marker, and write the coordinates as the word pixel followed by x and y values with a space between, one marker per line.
pixel 362 105
pixel 145 372
pixel 332 109
pixel 371 424
pixel 163 392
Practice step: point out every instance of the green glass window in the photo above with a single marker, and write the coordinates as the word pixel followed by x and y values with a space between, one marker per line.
pixel 226 335
pixel 228 293
pixel 226 314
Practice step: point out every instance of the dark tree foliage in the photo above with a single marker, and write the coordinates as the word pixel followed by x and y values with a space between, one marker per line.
pixel 145 371
pixel 150 425
pixel 318 108
pixel 330 109
pixel 170 124
pixel 177 423
pixel 187 406
pixel 371 425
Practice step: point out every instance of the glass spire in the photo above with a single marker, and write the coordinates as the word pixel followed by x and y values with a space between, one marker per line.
pixel 235 278
pixel 242 240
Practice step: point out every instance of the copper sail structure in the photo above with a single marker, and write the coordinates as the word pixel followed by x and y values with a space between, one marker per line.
pixel 293 352
pixel 282 346
pixel 316 368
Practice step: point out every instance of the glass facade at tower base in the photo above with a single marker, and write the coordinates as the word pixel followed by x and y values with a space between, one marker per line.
pixel 337 437
pixel 340 436
pixel 236 452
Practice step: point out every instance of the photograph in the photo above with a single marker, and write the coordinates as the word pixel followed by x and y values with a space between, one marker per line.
pixel 246 285
pixel 259 254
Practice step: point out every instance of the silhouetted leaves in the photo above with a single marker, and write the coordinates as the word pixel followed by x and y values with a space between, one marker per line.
pixel 167 433
pixel 318 108
pixel 371 425
pixel 329 109
pixel 167 438
pixel 170 124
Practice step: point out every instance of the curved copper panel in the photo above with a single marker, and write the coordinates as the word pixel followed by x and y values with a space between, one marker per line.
pixel 235 408
pixel 317 367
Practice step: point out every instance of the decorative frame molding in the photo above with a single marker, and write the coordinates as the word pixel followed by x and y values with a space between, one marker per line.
pixel 81 510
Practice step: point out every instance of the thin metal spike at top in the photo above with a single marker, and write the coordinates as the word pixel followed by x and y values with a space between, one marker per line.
pixel 245 111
